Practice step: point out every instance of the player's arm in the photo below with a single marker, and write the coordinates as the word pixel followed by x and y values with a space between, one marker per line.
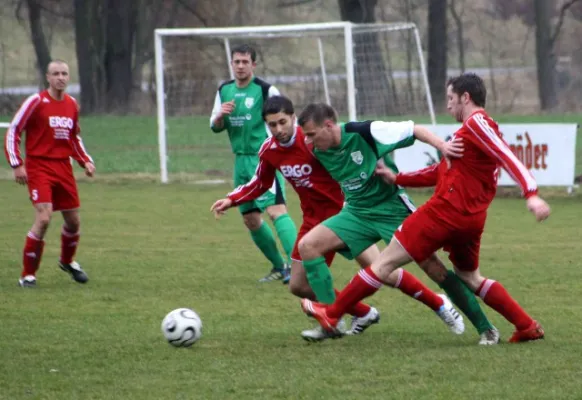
pixel 259 184
pixel 219 111
pixel 425 177
pixel 485 137
pixel 390 136
pixel 14 132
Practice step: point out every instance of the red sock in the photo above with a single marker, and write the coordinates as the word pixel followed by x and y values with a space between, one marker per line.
pixel 364 284
pixel 359 310
pixel 69 243
pixel 410 285
pixel 31 255
pixel 495 296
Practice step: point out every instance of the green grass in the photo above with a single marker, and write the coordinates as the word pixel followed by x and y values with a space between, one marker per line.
pixel 129 145
pixel 151 248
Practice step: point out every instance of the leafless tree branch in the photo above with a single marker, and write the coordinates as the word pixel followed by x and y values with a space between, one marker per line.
pixel 561 18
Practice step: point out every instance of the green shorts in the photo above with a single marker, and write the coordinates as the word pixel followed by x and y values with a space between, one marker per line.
pixel 359 230
pixel 244 170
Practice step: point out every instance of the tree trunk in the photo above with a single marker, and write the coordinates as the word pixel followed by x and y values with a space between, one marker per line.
pixel 458 18
pixel 545 57
pixel 118 58
pixel 43 55
pixel 437 51
pixel 373 95
pixel 87 49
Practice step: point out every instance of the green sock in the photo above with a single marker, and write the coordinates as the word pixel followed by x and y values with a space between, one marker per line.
pixel 463 298
pixel 320 279
pixel 287 233
pixel 265 241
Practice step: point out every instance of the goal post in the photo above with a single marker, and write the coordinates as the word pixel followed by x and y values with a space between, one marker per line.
pixel 363 70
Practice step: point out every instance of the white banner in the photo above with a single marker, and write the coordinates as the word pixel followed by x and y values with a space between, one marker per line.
pixel 547 150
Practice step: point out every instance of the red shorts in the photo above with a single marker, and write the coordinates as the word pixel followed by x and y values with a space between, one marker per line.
pixel 310 222
pixel 52 181
pixel 423 233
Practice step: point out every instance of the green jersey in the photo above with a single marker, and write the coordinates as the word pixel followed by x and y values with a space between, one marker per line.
pixel 353 162
pixel 245 126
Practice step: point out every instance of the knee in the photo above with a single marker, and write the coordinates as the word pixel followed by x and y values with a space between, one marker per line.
pixel 43 220
pixel 435 269
pixel 308 248
pixel 275 212
pixel 472 279
pixel 73 225
pixel 252 221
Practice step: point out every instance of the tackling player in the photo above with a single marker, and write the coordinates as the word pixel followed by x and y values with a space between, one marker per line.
pixel 321 198
pixel 51 121
pixel 454 217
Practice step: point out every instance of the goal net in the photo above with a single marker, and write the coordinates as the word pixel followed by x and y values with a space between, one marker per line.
pixel 363 70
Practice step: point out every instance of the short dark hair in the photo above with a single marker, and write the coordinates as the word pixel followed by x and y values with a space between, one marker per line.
pixel 472 84
pixel 277 104
pixel 244 49
pixel 318 113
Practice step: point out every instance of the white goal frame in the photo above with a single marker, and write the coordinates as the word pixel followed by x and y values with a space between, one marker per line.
pixel 274 31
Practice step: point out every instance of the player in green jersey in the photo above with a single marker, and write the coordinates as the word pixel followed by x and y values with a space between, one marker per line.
pixel 374 209
pixel 238 109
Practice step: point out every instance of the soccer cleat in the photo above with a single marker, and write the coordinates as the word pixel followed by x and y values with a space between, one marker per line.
pixel 451 316
pixel 276 274
pixel 28 281
pixel 360 324
pixel 318 334
pixel 490 337
pixel 317 311
pixel 74 269
pixel 286 274
pixel 534 332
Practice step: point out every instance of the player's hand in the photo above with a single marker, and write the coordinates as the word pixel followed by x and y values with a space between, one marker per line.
pixel 385 173
pixel 220 207
pixel 20 175
pixel 227 108
pixel 89 169
pixel 538 207
pixel 453 148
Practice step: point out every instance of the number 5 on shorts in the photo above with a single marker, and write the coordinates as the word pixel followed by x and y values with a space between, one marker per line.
pixel 34 194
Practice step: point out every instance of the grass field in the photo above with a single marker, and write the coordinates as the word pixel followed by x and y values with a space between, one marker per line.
pixel 150 248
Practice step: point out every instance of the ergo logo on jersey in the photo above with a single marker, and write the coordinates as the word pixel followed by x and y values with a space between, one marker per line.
pixel 61 122
pixel 296 171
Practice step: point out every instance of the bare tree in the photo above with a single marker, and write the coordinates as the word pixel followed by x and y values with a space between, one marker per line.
pixel 459 32
pixel 437 50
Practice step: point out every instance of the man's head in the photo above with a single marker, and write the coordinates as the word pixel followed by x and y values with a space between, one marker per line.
pixel 465 93
pixel 57 75
pixel 244 59
pixel 317 121
pixel 279 115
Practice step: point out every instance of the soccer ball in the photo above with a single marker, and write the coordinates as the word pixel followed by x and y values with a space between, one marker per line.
pixel 182 327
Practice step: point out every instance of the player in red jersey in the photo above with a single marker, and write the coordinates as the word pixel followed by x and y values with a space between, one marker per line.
pixel 454 217
pixel 320 196
pixel 51 121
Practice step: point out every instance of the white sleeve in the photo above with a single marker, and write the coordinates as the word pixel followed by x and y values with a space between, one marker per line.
pixel 273 91
pixel 215 108
pixel 391 132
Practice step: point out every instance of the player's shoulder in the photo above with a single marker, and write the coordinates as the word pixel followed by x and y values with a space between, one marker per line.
pixel 480 120
pixel 225 84
pixel 359 127
pixel 261 82
pixel 33 100
pixel 268 145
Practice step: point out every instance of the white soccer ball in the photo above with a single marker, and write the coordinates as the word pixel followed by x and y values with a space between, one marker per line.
pixel 182 327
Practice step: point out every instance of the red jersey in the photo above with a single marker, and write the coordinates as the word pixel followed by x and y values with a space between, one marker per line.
pixel 314 186
pixel 52 130
pixel 469 186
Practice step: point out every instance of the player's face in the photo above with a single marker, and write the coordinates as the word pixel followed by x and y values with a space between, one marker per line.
pixel 454 104
pixel 58 75
pixel 320 135
pixel 281 126
pixel 242 66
